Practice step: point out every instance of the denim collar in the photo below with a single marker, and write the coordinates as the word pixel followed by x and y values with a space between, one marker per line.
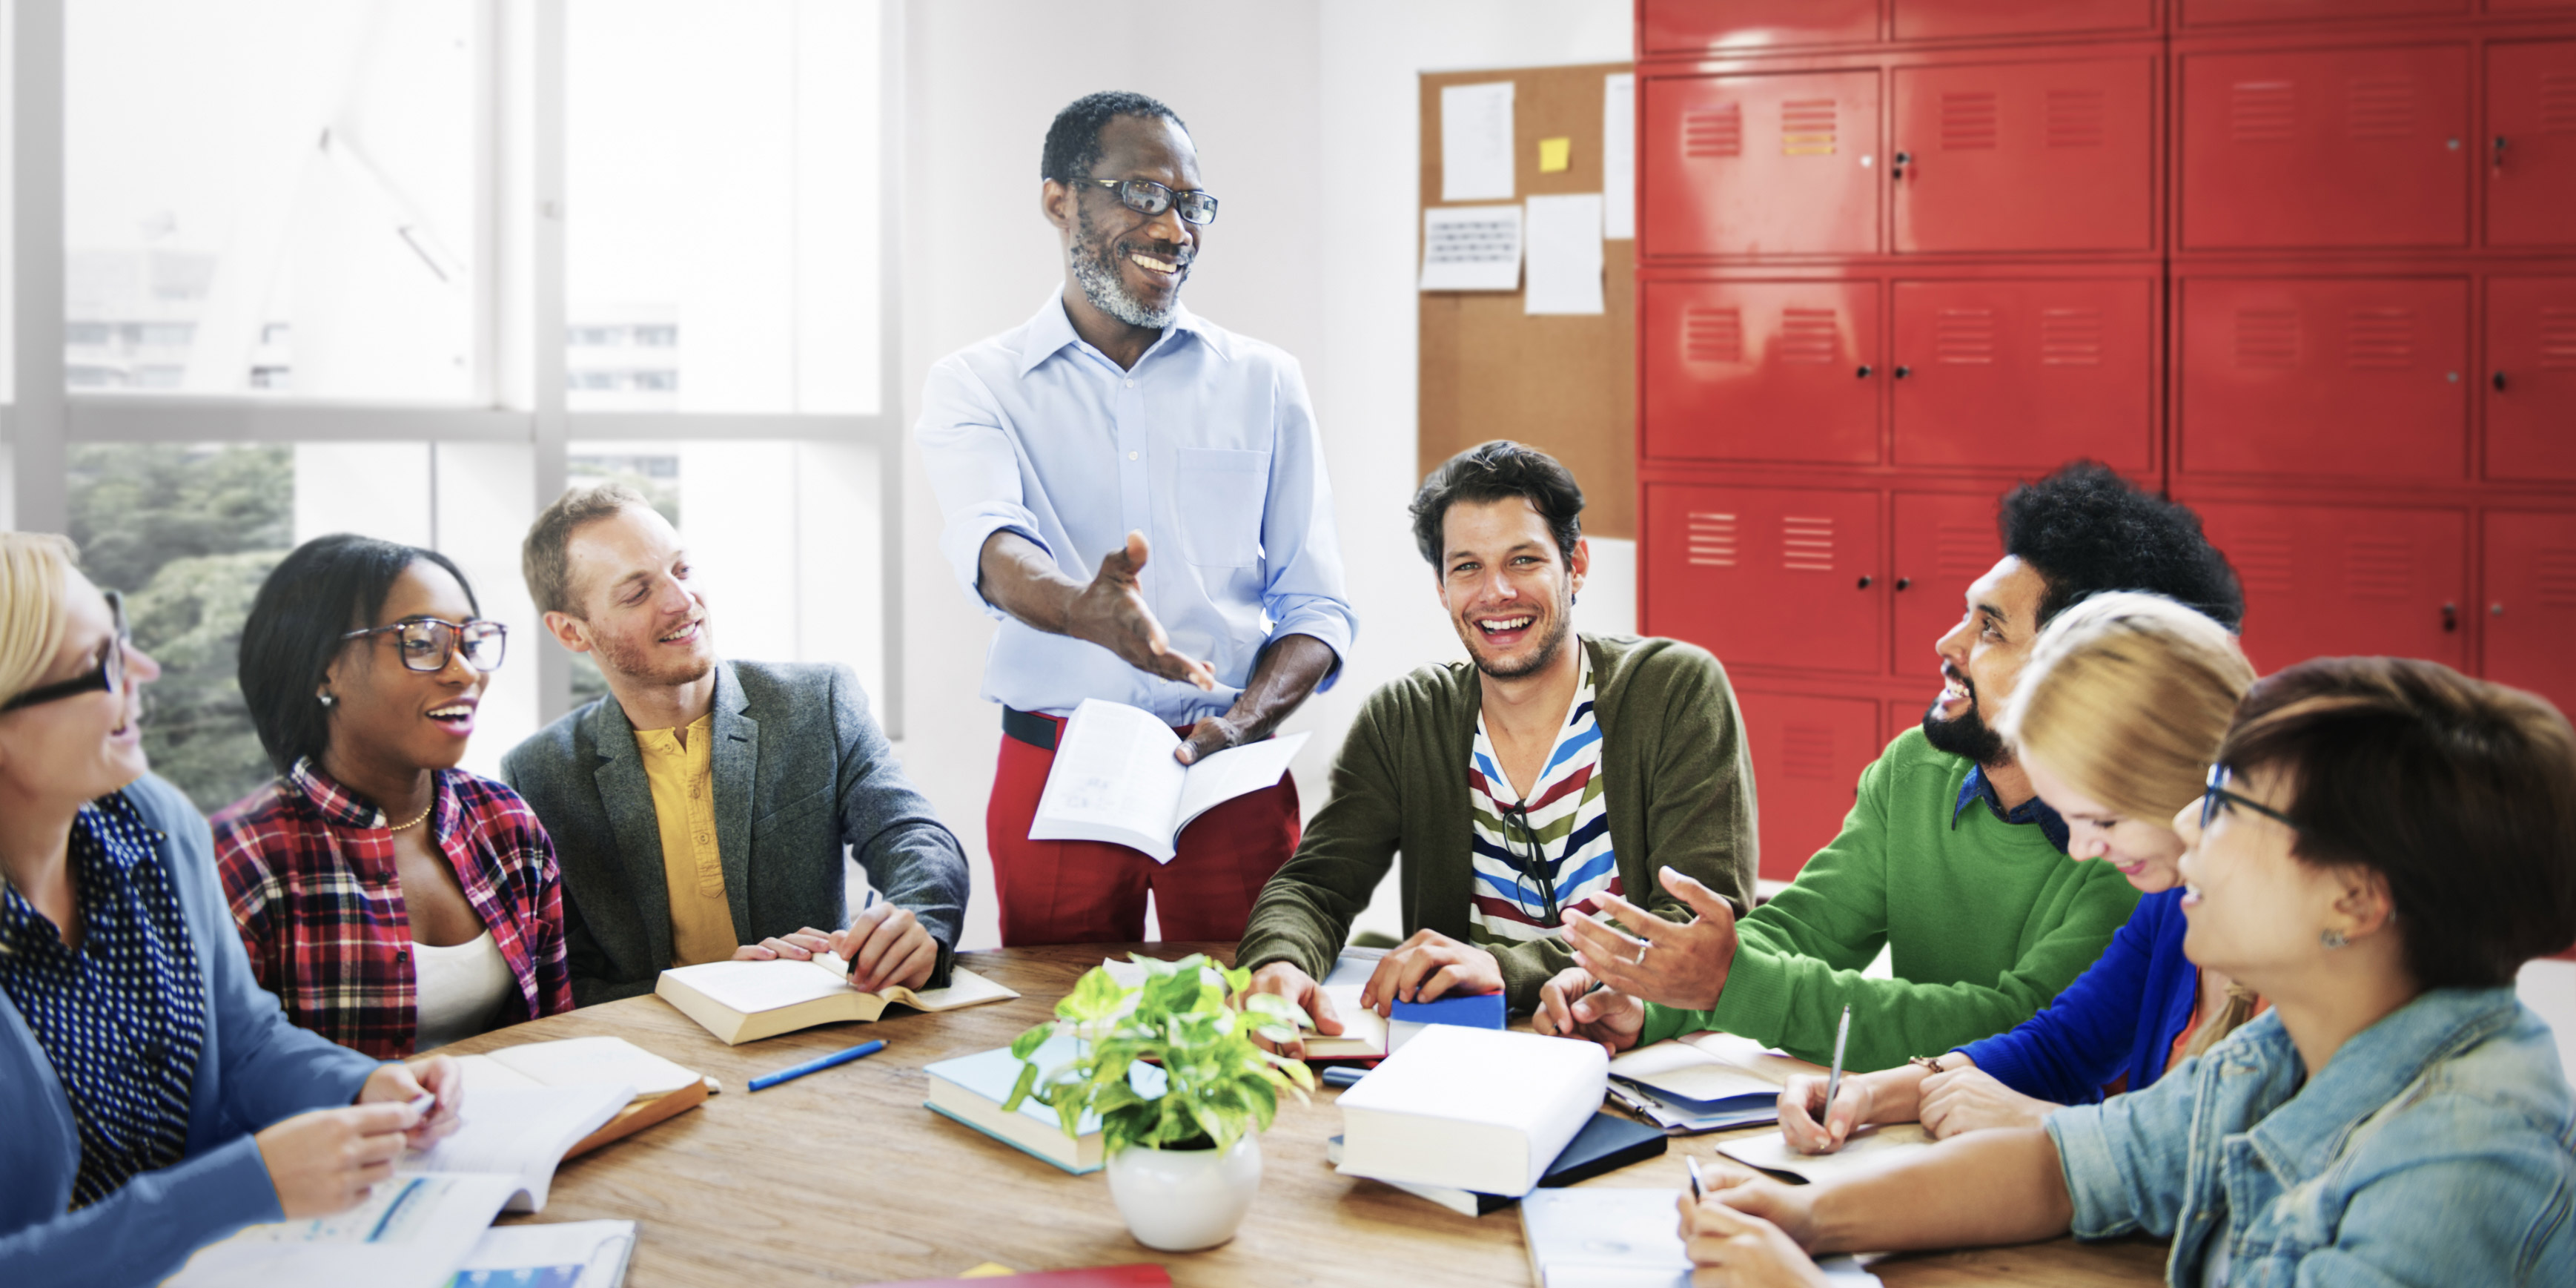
pixel 2306 1133
pixel 2034 810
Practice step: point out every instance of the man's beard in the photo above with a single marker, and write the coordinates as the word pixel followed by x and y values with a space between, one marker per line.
pixel 636 662
pixel 1559 623
pixel 1095 269
pixel 1969 735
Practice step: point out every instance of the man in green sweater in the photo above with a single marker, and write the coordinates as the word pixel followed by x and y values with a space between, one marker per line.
pixel 1550 773
pixel 1948 857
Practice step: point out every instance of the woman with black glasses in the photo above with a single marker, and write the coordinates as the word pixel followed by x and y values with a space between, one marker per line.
pixel 394 902
pixel 154 1098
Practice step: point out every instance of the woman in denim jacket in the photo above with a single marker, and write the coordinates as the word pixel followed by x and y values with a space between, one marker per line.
pixel 2382 844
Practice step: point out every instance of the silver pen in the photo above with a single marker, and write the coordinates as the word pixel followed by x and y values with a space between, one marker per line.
pixel 1834 1080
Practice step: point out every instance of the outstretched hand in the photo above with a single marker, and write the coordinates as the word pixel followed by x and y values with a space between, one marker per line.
pixel 1111 612
pixel 1681 964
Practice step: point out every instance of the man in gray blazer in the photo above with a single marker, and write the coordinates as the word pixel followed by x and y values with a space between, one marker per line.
pixel 701 809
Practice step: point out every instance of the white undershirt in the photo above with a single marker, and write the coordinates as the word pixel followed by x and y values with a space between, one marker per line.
pixel 459 988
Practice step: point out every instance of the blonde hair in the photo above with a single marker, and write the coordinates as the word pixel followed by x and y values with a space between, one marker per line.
pixel 33 568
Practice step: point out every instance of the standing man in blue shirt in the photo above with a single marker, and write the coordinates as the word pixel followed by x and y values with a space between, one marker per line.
pixel 1139 497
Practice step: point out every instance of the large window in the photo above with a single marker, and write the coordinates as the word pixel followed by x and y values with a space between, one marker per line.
pixel 410 267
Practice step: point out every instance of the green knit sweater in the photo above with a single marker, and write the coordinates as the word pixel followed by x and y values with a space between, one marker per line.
pixel 1675 770
pixel 1988 922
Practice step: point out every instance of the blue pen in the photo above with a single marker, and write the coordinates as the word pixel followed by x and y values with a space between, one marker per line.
pixel 861 1051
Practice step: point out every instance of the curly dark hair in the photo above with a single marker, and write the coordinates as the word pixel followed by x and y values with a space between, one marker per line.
pixel 1073 142
pixel 1491 472
pixel 2084 529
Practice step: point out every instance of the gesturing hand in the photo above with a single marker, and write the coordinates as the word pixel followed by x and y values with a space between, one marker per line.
pixel 325 1160
pixel 1428 967
pixel 403 1083
pixel 1681 964
pixel 1570 1007
pixel 1209 736
pixel 1111 613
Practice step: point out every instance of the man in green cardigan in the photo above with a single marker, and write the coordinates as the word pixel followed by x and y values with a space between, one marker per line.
pixel 1550 773
pixel 1948 856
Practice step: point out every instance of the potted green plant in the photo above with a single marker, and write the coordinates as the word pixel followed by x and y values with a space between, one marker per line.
pixel 1181 1090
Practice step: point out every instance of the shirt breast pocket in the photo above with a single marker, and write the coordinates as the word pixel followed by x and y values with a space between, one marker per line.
pixel 1220 499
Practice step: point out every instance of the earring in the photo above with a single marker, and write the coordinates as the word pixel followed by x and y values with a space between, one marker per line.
pixel 2332 939
pixel 325 699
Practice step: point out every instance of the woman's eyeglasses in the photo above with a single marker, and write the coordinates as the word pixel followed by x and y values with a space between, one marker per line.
pixel 1146 197
pixel 107 677
pixel 426 643
pixel 2216 797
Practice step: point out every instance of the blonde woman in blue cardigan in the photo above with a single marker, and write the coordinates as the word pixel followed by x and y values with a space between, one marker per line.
pixel 156 1099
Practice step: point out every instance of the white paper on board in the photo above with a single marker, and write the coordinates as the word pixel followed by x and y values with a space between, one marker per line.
pixel 1476 142
pixel 1619 157
pixel 1564 254
pixel 1471 248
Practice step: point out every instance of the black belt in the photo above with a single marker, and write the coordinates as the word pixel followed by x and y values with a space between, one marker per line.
pixel 1036 730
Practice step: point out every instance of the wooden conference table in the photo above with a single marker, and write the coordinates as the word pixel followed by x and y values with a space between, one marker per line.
pixel 842 1178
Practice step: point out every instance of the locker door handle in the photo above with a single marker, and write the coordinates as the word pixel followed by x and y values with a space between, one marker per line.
pixel 2496 609
pixel 1897 171
pixel 2498 381
pixel 1864 581
pixel 1903 371
pixel 1865 370
pixel 1903 582
pixel 2499 152
pixel 2450 617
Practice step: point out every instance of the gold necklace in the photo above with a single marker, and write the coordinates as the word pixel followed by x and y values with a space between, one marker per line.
pixel 422 817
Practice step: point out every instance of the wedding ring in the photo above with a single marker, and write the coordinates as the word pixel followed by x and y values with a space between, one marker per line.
pixel 1640 959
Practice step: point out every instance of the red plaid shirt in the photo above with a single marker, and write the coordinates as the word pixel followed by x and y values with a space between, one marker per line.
pixel 309 870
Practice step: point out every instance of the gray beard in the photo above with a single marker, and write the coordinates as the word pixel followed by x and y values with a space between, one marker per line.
pixel 1100 285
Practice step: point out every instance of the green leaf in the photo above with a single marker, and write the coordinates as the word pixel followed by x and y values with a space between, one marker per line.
pixel 1020 1089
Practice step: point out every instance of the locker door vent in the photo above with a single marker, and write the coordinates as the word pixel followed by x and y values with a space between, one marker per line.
pixel 2380 107
pixel 2070 337
pixel 2264 561
pixel 2381 339
pixel 2378 567
pixel 1807 544
pixel 1714 131
pixel 2554 577
pixel 1711 539
pixel 1968 121
pixel 1807 127
pixel 2267 337
pixel 1959 553
pixel 2077 118
pixel 1964 336
pixel 1713 334
pixel 2558 338
pixel 2263 111
pixel 1807 751
pixel 1811 336
pixel 2558 103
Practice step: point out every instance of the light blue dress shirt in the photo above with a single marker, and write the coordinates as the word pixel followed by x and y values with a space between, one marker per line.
pixel 1208 447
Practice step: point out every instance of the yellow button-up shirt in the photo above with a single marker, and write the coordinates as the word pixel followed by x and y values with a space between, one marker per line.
pixel 680 766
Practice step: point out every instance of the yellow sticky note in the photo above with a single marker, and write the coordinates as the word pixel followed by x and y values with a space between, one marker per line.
pixel 1553 154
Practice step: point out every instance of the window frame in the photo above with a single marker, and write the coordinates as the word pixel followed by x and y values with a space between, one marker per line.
pixel 520 335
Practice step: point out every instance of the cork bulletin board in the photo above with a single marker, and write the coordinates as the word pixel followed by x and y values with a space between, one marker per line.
pixel 1563 383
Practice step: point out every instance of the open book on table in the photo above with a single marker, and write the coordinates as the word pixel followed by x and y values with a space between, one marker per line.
pixel 662 1089
pixel 745 1001
pixel 1115 780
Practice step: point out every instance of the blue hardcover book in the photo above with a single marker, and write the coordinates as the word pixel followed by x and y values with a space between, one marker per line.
pixel 1469 1010
pixel 971 1089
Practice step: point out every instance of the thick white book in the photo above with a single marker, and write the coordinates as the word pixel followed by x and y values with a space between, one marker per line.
pixel 1474 1109
pixel 1114 779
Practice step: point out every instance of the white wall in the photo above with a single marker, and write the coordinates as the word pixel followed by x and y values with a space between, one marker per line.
pixel 1287 102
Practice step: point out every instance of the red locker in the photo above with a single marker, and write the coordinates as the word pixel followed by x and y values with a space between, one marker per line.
pixel 2025 372
pixel 2210 13
pixel 1940 19
pixel 2528 6
pixel 2025 156
pixel 1752 26
pixel 1762 371
pixel 1776 577
pixel 2531 603
pixel 2531 144
pixel 1760 165
pixel 2323 580
pixel 2352 377
pixel 1944 541
pixel 2531 377
pixel 2342 147
pixel 1807 758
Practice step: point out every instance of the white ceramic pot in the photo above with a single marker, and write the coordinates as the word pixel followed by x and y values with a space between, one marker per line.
pixel 1182 1200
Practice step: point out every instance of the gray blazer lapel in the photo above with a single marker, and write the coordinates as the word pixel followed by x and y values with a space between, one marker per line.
pixel 737 757
pixel 627 797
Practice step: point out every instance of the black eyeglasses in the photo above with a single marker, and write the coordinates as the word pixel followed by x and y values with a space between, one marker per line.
pixel 1146 197
pixel 107 677
pixel 2216 796
pixel 428 642
pixel 1517 814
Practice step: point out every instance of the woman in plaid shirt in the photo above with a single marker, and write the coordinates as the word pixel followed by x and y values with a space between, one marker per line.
pixel 392 901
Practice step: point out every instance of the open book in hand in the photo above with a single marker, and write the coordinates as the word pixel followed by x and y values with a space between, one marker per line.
pixel 663 1090
pixel 1115 780
pixel 745 1001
